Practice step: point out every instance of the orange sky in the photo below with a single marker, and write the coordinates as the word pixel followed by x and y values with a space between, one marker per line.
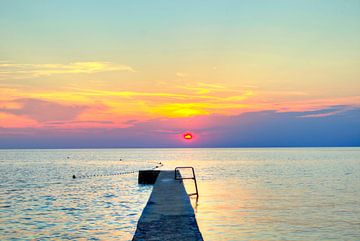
pixel 62 68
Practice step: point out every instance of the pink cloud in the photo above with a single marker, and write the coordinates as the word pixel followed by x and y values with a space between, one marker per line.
pixel 43 111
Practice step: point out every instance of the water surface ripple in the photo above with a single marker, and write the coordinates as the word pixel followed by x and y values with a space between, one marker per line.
pixel 245 194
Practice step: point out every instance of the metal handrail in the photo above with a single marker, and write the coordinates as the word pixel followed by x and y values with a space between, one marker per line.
pixel 183 178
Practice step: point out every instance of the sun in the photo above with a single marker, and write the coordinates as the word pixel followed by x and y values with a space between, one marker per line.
pixel 188 136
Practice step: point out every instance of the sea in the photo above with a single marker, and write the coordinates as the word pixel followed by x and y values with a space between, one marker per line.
pixel 244 193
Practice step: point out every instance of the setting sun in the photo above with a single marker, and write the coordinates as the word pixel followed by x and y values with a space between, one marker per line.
pixel 188 136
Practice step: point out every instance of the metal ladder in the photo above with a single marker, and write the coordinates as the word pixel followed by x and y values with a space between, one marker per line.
pixel 179 177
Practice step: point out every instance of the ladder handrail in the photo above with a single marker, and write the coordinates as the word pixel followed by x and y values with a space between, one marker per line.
pixel 182 178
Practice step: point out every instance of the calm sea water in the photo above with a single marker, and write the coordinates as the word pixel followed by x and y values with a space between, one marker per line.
pixel 245 194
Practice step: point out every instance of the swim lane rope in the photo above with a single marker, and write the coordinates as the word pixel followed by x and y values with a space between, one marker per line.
pixel 159 164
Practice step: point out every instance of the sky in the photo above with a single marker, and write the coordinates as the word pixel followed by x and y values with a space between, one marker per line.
pixel 77 74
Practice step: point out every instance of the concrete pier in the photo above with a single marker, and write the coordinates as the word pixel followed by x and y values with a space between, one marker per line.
pixel 168 214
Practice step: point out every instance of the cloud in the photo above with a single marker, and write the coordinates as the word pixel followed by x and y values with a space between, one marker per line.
pixel 252 129
pixel 332 110
pixel 10 121
pixel 175 103
pixel 41 110
pixel 21 71
pixel 181 109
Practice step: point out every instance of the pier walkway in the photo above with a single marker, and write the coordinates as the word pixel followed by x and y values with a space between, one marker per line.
pixel 168 214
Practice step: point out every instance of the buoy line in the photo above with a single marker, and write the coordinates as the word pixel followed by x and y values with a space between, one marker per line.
pixel 103 175
pixel 160 164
